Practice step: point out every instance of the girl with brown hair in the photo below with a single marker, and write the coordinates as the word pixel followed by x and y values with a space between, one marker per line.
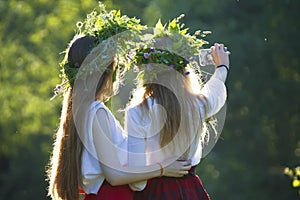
pixel 89 148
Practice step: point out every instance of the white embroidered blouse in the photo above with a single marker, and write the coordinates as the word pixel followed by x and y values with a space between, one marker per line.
pixel 92 174
pixel 138 127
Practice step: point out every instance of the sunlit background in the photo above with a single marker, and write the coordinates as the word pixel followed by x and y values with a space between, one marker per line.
pixel 261 136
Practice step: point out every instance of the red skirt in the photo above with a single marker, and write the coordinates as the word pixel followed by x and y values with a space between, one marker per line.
pixel 109 192
pixel 188 187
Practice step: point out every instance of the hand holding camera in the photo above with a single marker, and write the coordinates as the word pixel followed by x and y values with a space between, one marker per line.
pixel 217 55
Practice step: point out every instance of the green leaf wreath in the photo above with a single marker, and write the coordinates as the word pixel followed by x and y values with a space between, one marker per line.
pixel 103 25
pixel 178 52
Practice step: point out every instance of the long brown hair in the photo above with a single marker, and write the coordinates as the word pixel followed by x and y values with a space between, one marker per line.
pixel 64 173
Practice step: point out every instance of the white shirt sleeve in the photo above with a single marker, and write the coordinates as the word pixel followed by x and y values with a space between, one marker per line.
pixel 92 174
pixel 136 144
pixel 215 92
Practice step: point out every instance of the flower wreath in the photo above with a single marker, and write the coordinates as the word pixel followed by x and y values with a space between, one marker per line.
pixel 173 47
pixel 178 50
pixel 103 26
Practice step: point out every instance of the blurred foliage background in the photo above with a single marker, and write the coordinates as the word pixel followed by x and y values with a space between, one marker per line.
pixel 261 135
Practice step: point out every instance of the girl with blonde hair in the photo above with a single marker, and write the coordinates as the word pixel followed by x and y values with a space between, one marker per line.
pixel 168 111
pixel 89 152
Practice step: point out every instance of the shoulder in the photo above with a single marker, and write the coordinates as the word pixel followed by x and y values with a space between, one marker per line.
pixel 134 112
pixel 96 105
pixel 102 113
pixel 138 115
pixel 141 108
pixel 99 107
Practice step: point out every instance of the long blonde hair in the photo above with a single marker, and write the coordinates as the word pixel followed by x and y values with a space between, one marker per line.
pixel 64 171
pixel 183 128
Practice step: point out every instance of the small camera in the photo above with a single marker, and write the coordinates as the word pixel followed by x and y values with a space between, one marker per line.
pixel 205 57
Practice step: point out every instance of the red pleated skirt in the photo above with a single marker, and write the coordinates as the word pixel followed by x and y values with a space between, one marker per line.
pixel 109 192
pixel 188 187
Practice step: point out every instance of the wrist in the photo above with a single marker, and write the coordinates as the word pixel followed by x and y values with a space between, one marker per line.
pixel 221 73
pixel 223 66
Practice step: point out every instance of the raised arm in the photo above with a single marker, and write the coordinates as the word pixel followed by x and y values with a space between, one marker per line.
pixel 214 90
pixel 114 172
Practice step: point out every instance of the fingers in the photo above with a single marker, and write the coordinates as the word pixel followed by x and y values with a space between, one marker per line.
pixel 178 175
pixel 181 174
pixel 220 54
pixel 181 158
pixel 185 167
pixel 186 162
pixel 185 170
pixel 213 50
pixel 219 47
pixel 181 171
pixel 183 161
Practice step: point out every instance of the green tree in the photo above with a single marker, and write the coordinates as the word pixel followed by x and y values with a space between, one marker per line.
pixel 32 35
pixel 260 137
